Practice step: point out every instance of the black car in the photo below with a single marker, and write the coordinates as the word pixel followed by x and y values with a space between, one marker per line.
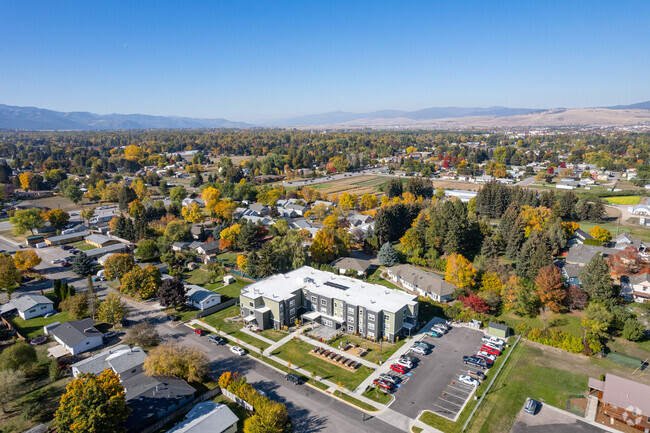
pixel 475 361
pixel 173 318
pixel 294 378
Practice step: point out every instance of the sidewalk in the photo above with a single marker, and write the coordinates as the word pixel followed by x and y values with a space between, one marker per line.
pixel 276 344
pixel 245 330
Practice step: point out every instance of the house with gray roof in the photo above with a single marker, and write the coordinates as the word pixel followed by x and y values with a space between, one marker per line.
pixel 581 254
pixel 201 298
pixel 426 284
pixel 100 252
pixel 30 306
pixel 571 274
pixel 357 262
pixel 77 336
pixel 208 417
pixel 124 360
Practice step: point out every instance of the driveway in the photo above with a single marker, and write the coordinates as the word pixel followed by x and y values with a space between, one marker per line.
pixel 550 419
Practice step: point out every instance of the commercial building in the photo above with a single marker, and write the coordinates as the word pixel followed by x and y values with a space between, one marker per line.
pixel 332 300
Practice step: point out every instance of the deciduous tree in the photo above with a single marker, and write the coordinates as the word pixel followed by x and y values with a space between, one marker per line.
pixel 192 213
pixel 117 265
pixel 550 288
pixel 76 306
pixel 147 249
pixel 171 292
pixel 19 356
pixel 58 218
pixel 184 362
pixel 576 298
pixel 26 260
pixel 112 309
pixel 597 317
pixel 460 272
pixel 29 219
pixel 93 404
pixel 143 281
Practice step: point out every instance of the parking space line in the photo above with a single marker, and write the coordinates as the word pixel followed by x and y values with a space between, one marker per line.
pixel 445 409
pixel 454 395
pixel 450 402
pixel 458 396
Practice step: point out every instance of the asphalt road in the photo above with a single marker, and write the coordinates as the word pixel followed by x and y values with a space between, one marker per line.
pixel 436 372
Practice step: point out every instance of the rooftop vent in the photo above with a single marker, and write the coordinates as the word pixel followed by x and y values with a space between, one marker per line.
pixel 336 286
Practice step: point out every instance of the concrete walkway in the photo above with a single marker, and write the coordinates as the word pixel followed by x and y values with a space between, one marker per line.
pixel 245 330
pixel 277 344
pixel 337 351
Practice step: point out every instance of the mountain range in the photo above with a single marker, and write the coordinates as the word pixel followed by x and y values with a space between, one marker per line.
pixel 32 118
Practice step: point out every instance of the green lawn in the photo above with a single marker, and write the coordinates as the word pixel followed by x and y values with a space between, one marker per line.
pixel 184 311
pixel 34 327
pixel 297 352
pixel 83 246
pixel 197 276
pixel 273 334
pixel 569 323
pixel 217 321
pixel 375 278
pixel 230 291
pixel 229 257
pixel 635 231
pixel 376 395
pixel 527 374
pixel 387 349
pixel 361 404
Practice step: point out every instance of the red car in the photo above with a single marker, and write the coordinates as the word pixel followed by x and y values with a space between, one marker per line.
pixel 200 332
pixel 488 361
pixel 383 384
pixel 491 350
pixel 399 368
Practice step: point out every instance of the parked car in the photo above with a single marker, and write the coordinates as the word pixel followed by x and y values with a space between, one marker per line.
pixel 439 328
pixel 66 264
pixel 216 339
pixel 388 386
pixel 478 375
pixel 201 332
pixel 467 380
pixel 173 317
pixel 66 247
pixel 423 345
pixel 475 361
pixel 75 251
pixel 494 345
pixel 111 334
pixel 389 378
pixel 495 340
pixel 488 361
pixel 238 350
pixel 433 334
pixel 419 350
pixel 409 358
pixel 491 350
pixel 57 261
pixel 293 378
pixel 484 354
pixel 532 406
pixel 406 363
pixel 399 368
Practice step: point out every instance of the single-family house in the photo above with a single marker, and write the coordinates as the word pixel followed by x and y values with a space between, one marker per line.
pixel 571 274
pixel 124 360
pixel 357 262
pixel 265 221
pixel 640 284
pixel 78 336
pixel 208 248
pixel 201 298
pixel 259 209
pixel 581 254
pixel 31 305
pixel 100 241
pixel 180 246
pixel 426 284
pixel 623 400
pixel 579 237
pixel 208 417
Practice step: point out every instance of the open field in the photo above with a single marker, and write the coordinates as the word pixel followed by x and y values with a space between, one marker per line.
pixel 273 334
pixel 630 200
pixel 83 246
pixel 569 323
pixel 230 291
pixel 635 231
pixel 297 352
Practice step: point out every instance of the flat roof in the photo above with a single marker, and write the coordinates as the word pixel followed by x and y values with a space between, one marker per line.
pixel 373 297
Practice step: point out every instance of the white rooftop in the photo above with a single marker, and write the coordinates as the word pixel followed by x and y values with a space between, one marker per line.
pixel 356 292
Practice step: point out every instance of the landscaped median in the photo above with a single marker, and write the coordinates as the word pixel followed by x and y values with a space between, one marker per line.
pixel 358 403
pixel 297 353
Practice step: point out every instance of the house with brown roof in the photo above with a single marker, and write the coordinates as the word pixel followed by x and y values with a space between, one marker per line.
pixel 623 400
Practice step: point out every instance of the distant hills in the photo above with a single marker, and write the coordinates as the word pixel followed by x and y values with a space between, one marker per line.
pixel 31 118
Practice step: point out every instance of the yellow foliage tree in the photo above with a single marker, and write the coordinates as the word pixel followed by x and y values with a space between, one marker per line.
pixel 25 179
pixel 331 221
pixel 133 152
pixel 242 260
pixel 368 201
pixel 186 362
pixel 535 218
pixel 25 260
pixel 491 283
pixel 192 213
pixel 225 208
pixel 211 196
pixel 570 227
pixel 140 188
pixel 601 234
pixel 348 201
pixel 460 271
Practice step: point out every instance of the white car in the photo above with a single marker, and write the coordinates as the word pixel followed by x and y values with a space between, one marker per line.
pixel 468 380
pixel 57 261
pixel 238 350
pixel 405 363
pixel 484 354
pixel 419 350
pixel 493 340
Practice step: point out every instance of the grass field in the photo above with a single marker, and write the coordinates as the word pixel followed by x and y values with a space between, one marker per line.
pixel 635 231
pixel 297 352
pixel 273 334
pixel 376 278
pixel 387 349
pixel 229 258
pixel 376 395
pixel 34 327
pixel 230 291
pixel 631 200
pixel 83 246
pixel 197 276
pixel 361 404
pixel 570 323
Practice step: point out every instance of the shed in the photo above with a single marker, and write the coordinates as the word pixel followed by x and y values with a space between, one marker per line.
pixel 228 279
pixel 498 330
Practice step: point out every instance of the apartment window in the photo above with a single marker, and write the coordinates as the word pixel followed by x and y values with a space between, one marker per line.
pixel 386 325
pixel 371 318
pixel 361 313
pixel 371 326
pixel 313 299
pixel 336 304
pixel 292 302
pixel 386 318
pixel 323 301
pixel 251 304
pixel 350 328
pixel 292 311
pixel 350 310
pixel 351 319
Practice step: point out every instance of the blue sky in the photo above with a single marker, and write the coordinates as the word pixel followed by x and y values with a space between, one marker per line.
pixel 248 61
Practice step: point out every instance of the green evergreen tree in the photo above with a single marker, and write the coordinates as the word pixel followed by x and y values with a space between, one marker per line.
pixel 82 265
pixel 595 279
pixel 387 255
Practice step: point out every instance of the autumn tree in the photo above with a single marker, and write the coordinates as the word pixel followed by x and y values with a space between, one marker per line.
pixel 177 231
pixel 29 219
pixel 171 292
pixel 550 288
pixel 520 297
pixel 460 272
pixel 475 303
pixel 58 218
pixel 185 362
pixel 576 298
pixel 25 179
pixel 93 404
pixel 88 214
pixel 601 234
pixel 112 309
pixel 626 262
pixel 143 334
pixel 368 201
pixel 117 265
pixel 76 306
pixel 329 244
pixel 143 281
pixel 26 260
pixel 211 197
pixel 192 213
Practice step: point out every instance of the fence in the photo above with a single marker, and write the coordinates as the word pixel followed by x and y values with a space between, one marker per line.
pixel 182 411
pixel 12 328
pixel 576 404
pixel 216 308
pixel 630 361
pixel 242 275
pixel 243 403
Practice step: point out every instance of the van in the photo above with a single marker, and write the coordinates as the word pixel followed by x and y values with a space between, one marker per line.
pixel 41 245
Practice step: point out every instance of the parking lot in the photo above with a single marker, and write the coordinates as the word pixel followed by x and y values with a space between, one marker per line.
pixel 433 384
